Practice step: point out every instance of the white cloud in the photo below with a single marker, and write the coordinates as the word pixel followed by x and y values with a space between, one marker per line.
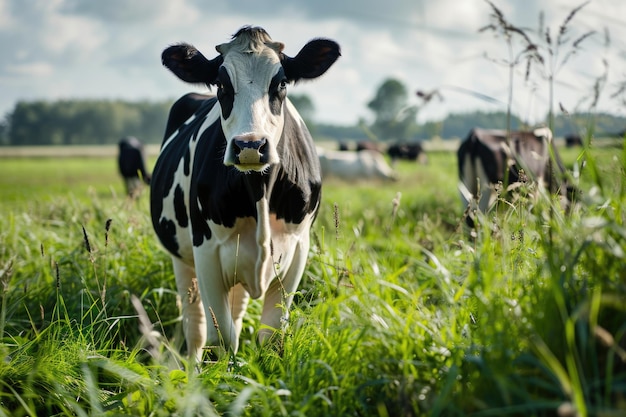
pixel 32 69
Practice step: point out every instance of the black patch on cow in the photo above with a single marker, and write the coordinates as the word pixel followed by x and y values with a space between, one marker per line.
pixel 225 92
pixel 166 230
pixel 179 207
pixel 298 185
pixel 277 92
pixel 187 162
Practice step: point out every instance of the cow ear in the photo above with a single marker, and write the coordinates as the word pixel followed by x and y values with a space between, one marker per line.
pixel 312 61
pixel 188 64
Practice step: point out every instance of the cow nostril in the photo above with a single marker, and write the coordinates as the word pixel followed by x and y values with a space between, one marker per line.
pixel 259 145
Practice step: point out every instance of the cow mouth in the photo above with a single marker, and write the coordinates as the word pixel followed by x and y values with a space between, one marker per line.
pixel 251 159
pixel 249 156
pixel 246 168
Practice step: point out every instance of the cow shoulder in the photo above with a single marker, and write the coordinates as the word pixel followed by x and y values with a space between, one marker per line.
pixel 183 109
pixel 175 151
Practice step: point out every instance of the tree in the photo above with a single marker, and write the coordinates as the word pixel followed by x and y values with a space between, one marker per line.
pixel 81 122
pixel 4 132
pixel 394 118
pixel 304 104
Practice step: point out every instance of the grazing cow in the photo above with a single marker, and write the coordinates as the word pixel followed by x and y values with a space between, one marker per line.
pixel 343 146
pixel 132 165
pixel 363 145
pixel 236 187
pixel 486 157
pixel 358 146
pixel 355 166
pixel 407 151
pixel 572 140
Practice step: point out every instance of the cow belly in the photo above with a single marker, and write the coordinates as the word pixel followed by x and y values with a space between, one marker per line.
pixel 237 252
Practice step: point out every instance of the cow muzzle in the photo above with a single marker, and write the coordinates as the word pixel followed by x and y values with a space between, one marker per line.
pixel 249 154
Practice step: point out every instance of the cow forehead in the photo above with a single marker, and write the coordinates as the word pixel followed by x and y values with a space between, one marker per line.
pixel 251 56
pixel 252 68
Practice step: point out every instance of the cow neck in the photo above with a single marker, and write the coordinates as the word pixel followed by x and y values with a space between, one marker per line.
pixel 263 239
pixel 263 272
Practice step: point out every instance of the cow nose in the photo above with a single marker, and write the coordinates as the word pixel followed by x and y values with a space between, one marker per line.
pixel 251 151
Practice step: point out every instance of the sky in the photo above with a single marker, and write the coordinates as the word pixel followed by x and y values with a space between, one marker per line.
pixel 81 49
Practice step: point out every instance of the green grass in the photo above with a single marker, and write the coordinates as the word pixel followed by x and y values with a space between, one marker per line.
pixel 400 311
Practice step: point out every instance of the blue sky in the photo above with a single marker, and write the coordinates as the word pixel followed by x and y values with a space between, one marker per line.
pixel 62 49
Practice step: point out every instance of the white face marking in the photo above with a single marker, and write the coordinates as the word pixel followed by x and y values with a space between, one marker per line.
pixel 251 118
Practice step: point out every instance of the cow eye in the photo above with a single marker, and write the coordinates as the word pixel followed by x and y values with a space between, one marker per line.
pixel 222 82
pixel 279 89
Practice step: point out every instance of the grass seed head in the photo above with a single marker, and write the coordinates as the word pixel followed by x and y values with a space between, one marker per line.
pixel 107 227
pixel 5 275
pixel 396 204
pixel 57 275
pixel 86 240
pixel 523 178
pixel 214 319
pixel 193 292
pixel 336 218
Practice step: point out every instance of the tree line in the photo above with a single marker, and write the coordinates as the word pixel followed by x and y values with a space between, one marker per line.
pixel 84 122
pixel 104 122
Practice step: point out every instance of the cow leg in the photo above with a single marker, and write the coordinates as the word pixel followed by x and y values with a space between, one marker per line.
pixel 469 186
pixel 484 186
pixel 280 293
pixel 238 304
pixel 194 322
pixel 220 327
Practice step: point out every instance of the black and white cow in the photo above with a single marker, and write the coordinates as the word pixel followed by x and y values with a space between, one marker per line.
pixel 237 184
pixel 407 151
pixel 487 157
pixel 131 162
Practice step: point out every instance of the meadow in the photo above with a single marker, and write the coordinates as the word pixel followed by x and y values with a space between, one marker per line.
pixel 401 312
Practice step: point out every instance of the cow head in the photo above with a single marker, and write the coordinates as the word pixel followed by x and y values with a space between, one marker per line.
pixel 251 74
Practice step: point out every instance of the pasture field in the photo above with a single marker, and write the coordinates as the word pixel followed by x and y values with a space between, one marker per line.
pixel 401 311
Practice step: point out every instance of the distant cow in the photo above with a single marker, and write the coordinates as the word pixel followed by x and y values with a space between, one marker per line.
pixel 354 166
pixel 572 140
pixel 358 146
pixel 132 165
pixel 406 151
pixel 236 187
pixel 363 145
pixel 486 157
